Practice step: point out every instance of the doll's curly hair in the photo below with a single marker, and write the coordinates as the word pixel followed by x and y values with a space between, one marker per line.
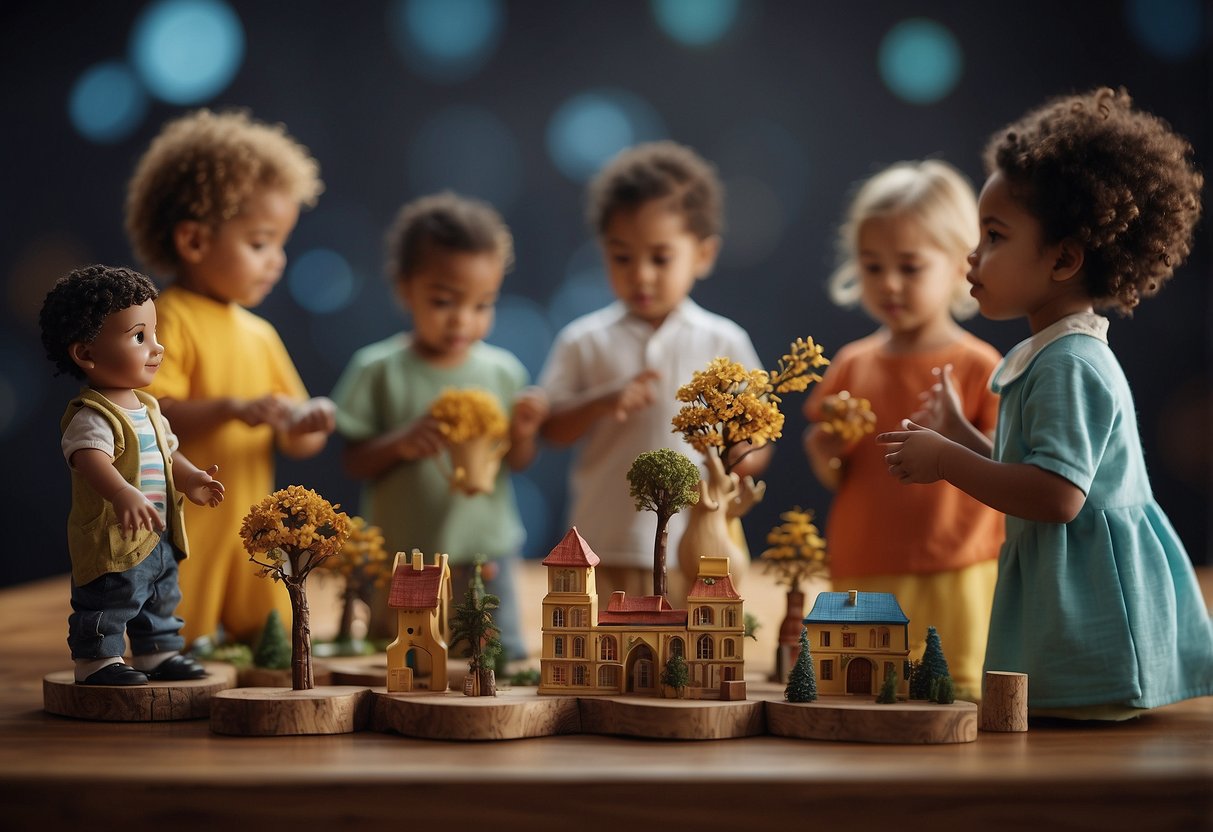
pixel 445 221
pixel 1119 181
pixel 78 304
pixel 204 166
pixel 658 170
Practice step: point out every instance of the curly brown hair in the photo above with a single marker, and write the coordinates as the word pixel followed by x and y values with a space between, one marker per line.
pixel 1119 181
pixel 78 304
pixel 204 166
pixel 659 170
pixel 445 221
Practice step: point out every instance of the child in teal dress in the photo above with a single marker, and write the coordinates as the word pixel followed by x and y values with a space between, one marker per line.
pixel 1089 204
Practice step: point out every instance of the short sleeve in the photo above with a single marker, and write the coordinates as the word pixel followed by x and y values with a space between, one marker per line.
pixel 170 438
pixel 1068 414
pixel 87 429
pixel 356 396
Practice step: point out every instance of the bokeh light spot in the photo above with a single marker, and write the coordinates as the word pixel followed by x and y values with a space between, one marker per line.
pixel 187 51
pixel 592 126
pixel 920 61
pixel 469 150
pixel 695 22
pixel 1170 29
pixel 446 40
pixel 107 103
pixel 321 281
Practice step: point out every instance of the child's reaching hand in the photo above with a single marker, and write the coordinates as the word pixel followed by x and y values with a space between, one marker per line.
pixel 272 409
pixel 317 414
pixel 637 394
pixel 941 409
pixel 914 453
pixel 201 487
pixel 421 439
pixel 135 511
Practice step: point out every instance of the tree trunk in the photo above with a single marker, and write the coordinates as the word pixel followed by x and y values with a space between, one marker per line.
pixel 488 682
pixel 301 636
pixel 659 548
pixel 345 633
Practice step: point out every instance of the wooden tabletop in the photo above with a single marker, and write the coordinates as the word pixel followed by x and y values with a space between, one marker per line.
pixel 1153 773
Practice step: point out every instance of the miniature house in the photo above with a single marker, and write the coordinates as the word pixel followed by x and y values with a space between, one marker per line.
pixel 855 637
pixel 421 595
pixel 624 648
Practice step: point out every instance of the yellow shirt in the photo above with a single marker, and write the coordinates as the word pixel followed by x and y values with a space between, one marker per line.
pixel 218 350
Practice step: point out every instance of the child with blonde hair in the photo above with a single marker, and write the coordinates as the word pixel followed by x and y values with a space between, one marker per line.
pixel 1089 204
pixel 902 252
pixel 211 205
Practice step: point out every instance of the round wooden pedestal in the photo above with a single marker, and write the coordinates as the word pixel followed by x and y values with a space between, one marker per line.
pixel 154 702
pixel 282 712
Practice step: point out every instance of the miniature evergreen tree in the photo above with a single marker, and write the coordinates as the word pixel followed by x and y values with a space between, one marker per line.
pixel 676 674
pixel 663 482
pixel 888 690
pixel 472 621
pixel 945 691
pixel 802 681
pixel 273 649
pixel 932 667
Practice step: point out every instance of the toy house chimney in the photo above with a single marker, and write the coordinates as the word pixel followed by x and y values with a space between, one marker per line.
pixel 418 560
pixel 852 597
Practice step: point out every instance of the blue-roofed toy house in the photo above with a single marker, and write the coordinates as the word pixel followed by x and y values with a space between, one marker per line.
pixel 854 637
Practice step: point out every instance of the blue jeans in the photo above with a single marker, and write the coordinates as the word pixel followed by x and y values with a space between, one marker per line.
pixel 505 586
pixel 140 602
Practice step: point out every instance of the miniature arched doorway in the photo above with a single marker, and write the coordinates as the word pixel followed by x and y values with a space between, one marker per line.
pixel 859 676
pixel 639 670
pixel 422 663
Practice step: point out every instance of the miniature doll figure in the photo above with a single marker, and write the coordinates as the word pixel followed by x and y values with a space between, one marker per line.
pixel 126 531
pixel 612 375
pixel 447 260
pixel 211 205
pixel 1089 204
pixel 902 252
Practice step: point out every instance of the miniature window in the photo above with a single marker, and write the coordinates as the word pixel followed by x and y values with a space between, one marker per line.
pixel 848 639
pixel 565 580
pixel 579 616
pixel 824 638
pixel 558 617
pixel 558 647
pixel 703 647
pixel 608 650
pixel 884 636
pixel 677 648
pixel 559 675
pixel 726 648
pixel 579 675
pixel 578 647
pixel 730 616
pixel 608 677
pixel 827 669
pixel 703 615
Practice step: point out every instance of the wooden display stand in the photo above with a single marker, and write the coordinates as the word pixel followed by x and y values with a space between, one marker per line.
pixel 265 677
pixel 671 719
pixel 861 719
pixel 1004 705
pixel 266 712
pixel 512 714
pixel 368 671
pixel 153 702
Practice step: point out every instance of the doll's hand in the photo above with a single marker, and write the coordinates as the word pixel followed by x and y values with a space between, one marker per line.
pixel 636 395
pixel 530 409
pixel 273 410
pixel 941 409
pixel 422 439
pixel 914 453
pixel 315 415
pixel 135 511
pixel 201 487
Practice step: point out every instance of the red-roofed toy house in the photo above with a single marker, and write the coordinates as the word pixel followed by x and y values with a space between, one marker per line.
pixel 624 648
pixel 421 595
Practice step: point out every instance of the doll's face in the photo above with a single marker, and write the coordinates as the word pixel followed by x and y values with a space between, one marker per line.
pixel 452 296
pixel 241 259
pixel 906 280
pixel 125 354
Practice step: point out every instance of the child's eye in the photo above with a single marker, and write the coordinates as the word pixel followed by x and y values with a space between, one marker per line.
pixel 620 259
pixel 993 235
pixel 139 338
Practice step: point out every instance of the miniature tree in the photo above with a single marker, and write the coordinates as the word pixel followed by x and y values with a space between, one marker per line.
pixel 675 675
pixel 365 566
pixel 933 666
pixel 944 691
pixel 888 690
pixel 750 626
pixel 663 482
pixel 476 429
pixel 273 650
pixel 288 534
pixel 472 622
pixel 796 550
pixel 802 681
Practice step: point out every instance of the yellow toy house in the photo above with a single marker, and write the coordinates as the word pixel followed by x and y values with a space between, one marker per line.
pixel 854 638
pixel 421 596
pixel 624 648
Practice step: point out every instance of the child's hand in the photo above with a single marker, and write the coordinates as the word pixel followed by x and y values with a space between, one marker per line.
pixel 135 511
pixel 422 439
pixel 941 408
pixel 273 410
pixel 202 489
pixel 914 453
pixel 826 445
pixel 530 409
pixel 636 395
pixel 318 414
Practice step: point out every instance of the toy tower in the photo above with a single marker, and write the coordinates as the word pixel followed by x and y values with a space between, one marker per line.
pixel 570 611
pixel 421 595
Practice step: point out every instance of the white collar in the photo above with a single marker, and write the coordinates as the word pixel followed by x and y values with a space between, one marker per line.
pixel 1022 354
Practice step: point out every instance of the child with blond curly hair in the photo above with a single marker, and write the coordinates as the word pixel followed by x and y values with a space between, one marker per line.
pixel 211 205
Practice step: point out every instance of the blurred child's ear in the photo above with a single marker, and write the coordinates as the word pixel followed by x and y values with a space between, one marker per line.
pixel 1070 257
pixel 706 251
pixel 191 239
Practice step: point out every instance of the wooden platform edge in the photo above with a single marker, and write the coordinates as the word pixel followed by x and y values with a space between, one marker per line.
pixel 278 712
pixel 452 716
pixel 154 702
pixel 839 719
pixel 672 719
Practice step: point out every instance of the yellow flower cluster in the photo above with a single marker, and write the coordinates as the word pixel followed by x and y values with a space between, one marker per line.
pixel 848 417
pixel 294 530
pixel 728 405
pixel 797 549
pixel 469 414
pixel 364 561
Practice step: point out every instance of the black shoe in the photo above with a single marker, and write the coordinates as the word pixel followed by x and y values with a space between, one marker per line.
pixel 176 669
pixel 116 674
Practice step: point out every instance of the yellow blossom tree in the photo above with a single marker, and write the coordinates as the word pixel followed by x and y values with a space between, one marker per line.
pixel 476 428
pixel 364 566
pixel 796 550
pixel 727 406
pixel 847 416
pixel 288 534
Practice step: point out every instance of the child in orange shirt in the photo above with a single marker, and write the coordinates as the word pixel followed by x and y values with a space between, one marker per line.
pixel 902 250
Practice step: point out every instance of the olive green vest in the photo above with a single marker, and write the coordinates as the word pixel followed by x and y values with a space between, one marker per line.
pixel 94 541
